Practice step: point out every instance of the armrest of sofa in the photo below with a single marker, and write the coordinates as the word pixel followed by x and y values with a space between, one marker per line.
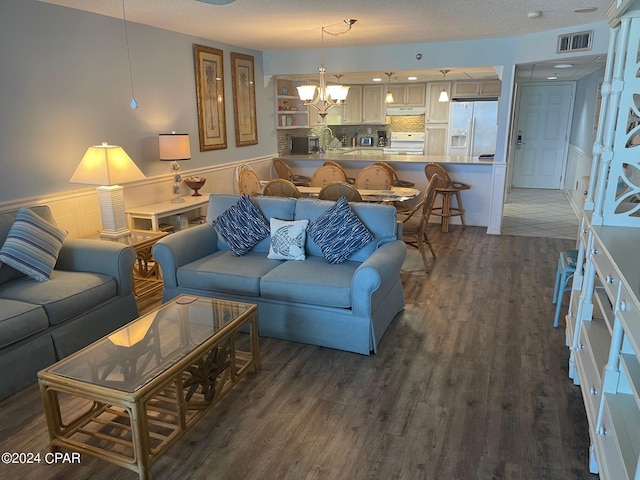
pixel 383 266
pixel 109 258
pixel 183 247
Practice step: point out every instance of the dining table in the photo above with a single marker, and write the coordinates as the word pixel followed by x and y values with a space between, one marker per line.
pixel 394 194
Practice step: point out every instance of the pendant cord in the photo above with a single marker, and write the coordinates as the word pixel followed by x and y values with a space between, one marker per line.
pixel 134 104
pixel 322 48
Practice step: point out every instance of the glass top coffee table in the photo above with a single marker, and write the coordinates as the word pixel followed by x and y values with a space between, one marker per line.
pixel 141 387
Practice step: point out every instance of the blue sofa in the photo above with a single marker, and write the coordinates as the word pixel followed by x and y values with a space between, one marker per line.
pixel 347 306
pixel 89 295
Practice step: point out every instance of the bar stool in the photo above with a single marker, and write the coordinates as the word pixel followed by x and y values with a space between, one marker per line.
pixel 566 271
pixel 447 188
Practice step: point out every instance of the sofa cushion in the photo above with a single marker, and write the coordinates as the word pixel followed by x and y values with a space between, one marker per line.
pixel 241 226
pixel 379 219
pixel 271 207
pixel 65 295
pixel 6 221
pixel 222 271
pixel 287 239
pixel 20 320
pixel 313 281
pixel 339 232
pixel 32 245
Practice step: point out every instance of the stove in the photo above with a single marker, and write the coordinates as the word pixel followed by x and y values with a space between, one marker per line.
pixel 406 143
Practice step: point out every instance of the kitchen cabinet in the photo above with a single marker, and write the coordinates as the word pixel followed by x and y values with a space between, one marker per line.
pixel 410 94
pixel 352 109
pixel 436 141
pixel 437 112
pixel 490 88
pixel 486 88
pixel 373 110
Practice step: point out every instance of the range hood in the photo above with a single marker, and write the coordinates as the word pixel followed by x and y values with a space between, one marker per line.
pixel 397 111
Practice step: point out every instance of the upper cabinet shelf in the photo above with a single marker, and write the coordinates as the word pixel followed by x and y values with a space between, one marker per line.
pixel 487 88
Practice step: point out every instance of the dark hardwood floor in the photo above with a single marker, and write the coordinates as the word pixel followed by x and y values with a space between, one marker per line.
pixel 470 382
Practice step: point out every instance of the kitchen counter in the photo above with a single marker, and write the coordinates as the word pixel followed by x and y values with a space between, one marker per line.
pixel 476 201
pixel 375 155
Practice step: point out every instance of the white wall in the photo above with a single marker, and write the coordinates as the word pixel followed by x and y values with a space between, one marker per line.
pixel 65 86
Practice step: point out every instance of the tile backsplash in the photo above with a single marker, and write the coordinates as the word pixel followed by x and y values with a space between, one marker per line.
pixel 409 123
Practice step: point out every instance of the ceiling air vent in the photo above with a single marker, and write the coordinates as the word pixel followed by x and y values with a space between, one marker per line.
pixel 574 42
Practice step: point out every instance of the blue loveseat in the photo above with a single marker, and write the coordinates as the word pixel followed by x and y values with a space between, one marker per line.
pixel 347 306
pixel 88 295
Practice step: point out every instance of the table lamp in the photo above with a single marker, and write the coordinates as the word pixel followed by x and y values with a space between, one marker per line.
pixel 108 166
pixel 173 147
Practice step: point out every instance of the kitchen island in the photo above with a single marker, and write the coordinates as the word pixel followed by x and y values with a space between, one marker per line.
pixel 473 171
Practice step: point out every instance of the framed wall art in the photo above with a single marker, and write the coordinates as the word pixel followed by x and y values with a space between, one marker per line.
pixel 244 99
pixel 210 97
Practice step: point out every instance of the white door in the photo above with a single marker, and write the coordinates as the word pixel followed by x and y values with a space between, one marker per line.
pixel 541 135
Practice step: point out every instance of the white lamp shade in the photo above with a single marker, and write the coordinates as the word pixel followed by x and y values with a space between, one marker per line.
pixel 174 146
pixel 106 165
pixel 338 92
pixel 444 96
pixel 306 92
pixel 389 98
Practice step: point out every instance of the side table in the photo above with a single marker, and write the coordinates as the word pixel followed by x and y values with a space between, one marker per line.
pixel 153 213
pixel 147 278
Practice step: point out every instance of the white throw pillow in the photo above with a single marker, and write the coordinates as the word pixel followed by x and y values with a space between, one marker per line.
pixel 287 239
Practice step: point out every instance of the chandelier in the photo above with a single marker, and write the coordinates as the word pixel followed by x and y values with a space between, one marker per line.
pixel 328 96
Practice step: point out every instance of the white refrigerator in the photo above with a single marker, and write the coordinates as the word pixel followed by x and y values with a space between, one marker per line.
pixel 473 128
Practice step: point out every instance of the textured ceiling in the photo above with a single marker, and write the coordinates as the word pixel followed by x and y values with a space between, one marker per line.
pixel 286 24
pixel 290 24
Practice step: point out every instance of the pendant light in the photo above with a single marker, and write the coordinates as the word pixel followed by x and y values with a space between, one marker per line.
pixel 328 96
pixel 444 96
pixel 389 97
pixel 134 103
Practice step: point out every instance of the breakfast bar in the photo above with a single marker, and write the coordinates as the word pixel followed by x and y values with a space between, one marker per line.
pixel 470 170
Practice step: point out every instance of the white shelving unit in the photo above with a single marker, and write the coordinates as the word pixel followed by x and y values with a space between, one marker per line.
pixel 603 322
pixel 291 112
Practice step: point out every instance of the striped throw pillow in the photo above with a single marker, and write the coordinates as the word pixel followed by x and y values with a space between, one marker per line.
pixel 32 245
pixel 339 233
pixel 241 226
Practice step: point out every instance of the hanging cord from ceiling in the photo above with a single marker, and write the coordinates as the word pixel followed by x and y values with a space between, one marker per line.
pixel 133 103
pixel 348 22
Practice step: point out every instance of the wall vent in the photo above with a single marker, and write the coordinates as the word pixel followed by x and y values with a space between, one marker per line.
pixel 575 42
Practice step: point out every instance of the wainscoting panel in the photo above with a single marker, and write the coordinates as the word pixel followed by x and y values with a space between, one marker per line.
pixel 78 211
pixel 576 178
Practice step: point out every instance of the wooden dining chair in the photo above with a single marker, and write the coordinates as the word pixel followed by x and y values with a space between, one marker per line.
pixel 283 171
pixel 326 175
pixel 447 189
pixel 335 190
pixel 400 206
pixel 374 177
pixel 350 180
pixel 415 222
pixel 279 187
pixel 394 175
pixel 248 182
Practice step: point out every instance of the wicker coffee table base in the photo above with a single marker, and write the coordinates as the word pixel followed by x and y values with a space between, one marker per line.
pixel 132 429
